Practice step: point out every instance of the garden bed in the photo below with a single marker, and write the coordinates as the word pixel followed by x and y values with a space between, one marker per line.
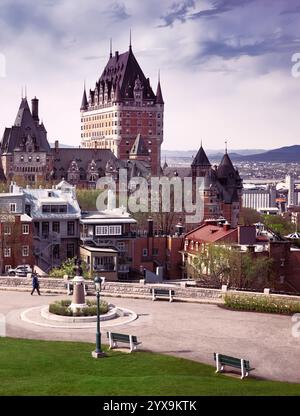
pixel 62 308
pixel 261 303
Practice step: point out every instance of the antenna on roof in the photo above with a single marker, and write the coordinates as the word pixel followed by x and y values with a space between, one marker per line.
pixel 25 91
pixel 22 93
pixel 159 75
pixel 201 143
pixel 110 48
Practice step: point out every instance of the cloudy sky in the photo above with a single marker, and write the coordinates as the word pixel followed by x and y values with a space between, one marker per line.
pixel 225 64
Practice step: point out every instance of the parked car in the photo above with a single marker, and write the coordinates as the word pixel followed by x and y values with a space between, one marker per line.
pixel 20 271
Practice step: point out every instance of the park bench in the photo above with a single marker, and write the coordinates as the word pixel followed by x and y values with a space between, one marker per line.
pixel 226 360
pixel 162 293
pixel 114 338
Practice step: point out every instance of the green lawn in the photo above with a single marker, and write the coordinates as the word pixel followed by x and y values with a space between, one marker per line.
pixel 29 367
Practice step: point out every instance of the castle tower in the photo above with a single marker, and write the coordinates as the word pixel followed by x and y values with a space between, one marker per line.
pixel 25 150
pixel 120 107
pixel 200 165
pixel 231 190
pixel 221 188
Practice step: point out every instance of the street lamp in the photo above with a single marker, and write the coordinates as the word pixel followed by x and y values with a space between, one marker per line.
pixel 98 353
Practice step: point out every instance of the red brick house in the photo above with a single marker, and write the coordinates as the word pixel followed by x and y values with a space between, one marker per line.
pixel 16 241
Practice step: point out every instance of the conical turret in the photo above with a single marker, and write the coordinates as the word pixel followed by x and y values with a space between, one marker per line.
pixel 84 102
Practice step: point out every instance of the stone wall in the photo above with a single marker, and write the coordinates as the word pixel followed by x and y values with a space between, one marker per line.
pixel 138 290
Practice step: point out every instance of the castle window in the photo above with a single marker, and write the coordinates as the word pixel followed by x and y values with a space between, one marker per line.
pixel 22 158
pixel 29 158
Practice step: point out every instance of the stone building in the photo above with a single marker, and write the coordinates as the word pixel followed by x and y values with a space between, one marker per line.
pixel 25 151
pixel 220 190
pixel 122 106
pixel 55 215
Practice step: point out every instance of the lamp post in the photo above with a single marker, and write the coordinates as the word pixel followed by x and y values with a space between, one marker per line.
pixel 98 353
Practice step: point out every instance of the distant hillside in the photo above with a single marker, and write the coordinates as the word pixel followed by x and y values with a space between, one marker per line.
pixel 218 153
pixel 287 154
pixel 64 146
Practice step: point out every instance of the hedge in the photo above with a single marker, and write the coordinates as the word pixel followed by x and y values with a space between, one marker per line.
pixel 261 303
pixel 61 307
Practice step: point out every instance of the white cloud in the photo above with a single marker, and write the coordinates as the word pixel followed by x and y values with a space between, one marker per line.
pixel 221 77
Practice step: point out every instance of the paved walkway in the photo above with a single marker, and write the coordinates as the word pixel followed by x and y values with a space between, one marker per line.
pixel 186 330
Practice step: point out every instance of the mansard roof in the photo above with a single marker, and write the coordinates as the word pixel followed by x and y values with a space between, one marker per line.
pixel 64 157
pixel 25 130
pixel 201 159
pixel 119 76
pixel 125 69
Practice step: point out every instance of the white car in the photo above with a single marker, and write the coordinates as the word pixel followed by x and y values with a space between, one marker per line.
pixel 20 271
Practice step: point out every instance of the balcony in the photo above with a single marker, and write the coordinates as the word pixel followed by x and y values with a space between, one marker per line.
pixel 99 239
pixel 104 267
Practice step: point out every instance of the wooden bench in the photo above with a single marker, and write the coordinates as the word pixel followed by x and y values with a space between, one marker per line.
pixel 226 360
pixel 114 338
pixel 162 293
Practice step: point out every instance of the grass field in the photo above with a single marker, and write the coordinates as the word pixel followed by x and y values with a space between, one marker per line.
pixel 29 367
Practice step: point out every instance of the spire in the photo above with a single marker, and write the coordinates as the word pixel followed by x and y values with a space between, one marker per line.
pixel 165 164
pixel 225 146
pixel 139 148
pixel 84 102
pixel 225 168
pixel 159 97
pixel 201 159
pixel 130 45
pixel 118 97
pixel 110 48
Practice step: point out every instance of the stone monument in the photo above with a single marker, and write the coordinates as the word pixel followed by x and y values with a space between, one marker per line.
pixel 78 300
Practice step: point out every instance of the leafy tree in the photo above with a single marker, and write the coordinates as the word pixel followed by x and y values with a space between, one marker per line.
pixel 216 264
pixel 278 224
pixel 67 268
pixel 87 198
pixel 249 216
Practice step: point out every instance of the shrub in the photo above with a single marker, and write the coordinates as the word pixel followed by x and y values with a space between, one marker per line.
pixel 67 268
pixel 61 307
pixel 261 303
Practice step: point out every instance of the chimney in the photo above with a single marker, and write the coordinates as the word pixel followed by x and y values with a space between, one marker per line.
pixel 117 55
pixel 179 228
pixel 150 227
pixel 56 146
pixel 226 226
pixel 35 109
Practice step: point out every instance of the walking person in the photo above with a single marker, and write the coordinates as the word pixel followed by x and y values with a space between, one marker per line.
pixel 35 283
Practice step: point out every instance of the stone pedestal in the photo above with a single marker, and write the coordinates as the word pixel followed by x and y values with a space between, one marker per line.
pixel 78 300
pixel 98 354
